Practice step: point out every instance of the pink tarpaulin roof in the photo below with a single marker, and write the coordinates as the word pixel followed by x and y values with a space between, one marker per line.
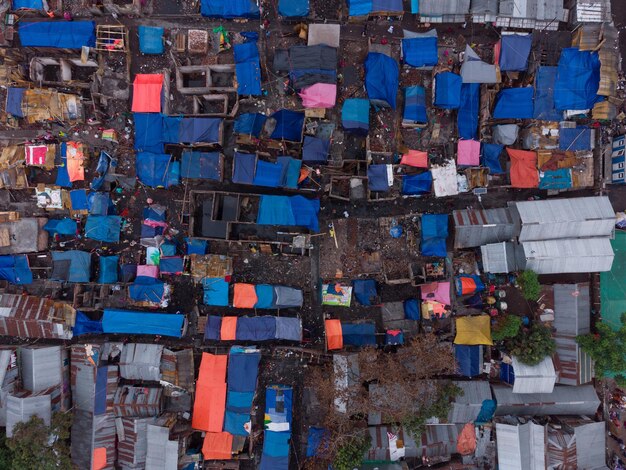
pixel 320 95
pixel 468 153
pixel 439 291
pixel 415 158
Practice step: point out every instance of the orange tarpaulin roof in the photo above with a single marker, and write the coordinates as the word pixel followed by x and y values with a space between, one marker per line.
pixel 466 442
pixel 75 161
pixel 217 446
pixel 147 93
pixel 228 331
pixel 244 296
pixel 415 158
pixel 524 172
pixel 334 335
pixel 210 402
pixel 99 460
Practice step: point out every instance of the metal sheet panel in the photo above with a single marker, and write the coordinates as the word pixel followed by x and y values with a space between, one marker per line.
pixel 534 379
pixel 40 368
pixel 564 400
pixel 140 361
pixel 521 447
pixel 569 255
pixel 476 227
pixel 591 440
pixel 500 258
pixel 20 410
pixel 444 7
pixel 466 407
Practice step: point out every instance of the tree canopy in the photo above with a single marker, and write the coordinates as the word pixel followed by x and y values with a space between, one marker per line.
pixel 607 348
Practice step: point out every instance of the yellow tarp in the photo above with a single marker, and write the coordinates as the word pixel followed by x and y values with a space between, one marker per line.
pixel 473 330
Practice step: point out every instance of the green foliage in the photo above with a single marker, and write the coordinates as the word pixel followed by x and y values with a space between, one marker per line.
pixel 608 350
pixel 350 454
pixel 529 283
pixel 506 327
pixel 415 424
pixel 533 345
pixel 37 446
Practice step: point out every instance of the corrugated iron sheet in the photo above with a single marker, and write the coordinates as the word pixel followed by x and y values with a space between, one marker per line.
pixel 502 257
pixel 581 400
pixel 140 361
pixel 162 454
pixel 444 7
pixel 476 227
pixel 466 407
pixel 40 367
pixel 539 378
pixel 588 255
pixel 521 447
pixel 20 410
pixel 137 401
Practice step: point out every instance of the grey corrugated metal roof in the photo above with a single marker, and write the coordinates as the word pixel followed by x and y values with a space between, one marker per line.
pixel 437 440
pixel 161 454
pixel 474 70
pixel 484 6
pixel 5 358
pixel 592 11
pixel 564 400
pixel 476 227
pixel 20 410
pixel 579 255
pixel 466 407
pixel 551 219
pixel 40 368
pixel 141 361
pixel 444 7
pixel 521 447
pixel 534 379
pixel 502 257
pixel 591 454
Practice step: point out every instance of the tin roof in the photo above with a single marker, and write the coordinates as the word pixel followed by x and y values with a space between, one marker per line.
pixel 564 400
pixel 539 378
pixel 466 406
pixel 579 255
pixel 521 447
pixel 476 227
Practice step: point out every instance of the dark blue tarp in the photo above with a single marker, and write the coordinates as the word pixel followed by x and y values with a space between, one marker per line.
pixel 358 334
pixel 315 150
pixel 468 359
pixel 293 8
pixel 171 264
pixel 194 130
pixel 201 165
pixel 256 328
pixel 514 103
pixel 104 228
pixel 157 169
pixel 63 177
pixel 148 132
pixel 153 130
pixel 243 368
pixel 268 174
pixel 556 179
pixel 100 204
pixel 359 7
pixel 415 104
pixel 575 139
pixel 71 266
pixel 434 234
pixel 420 52
pixel 364 291
pixel 467 117
pixel 514 52
pixel 244 168
pixel 394 337
pixel 507 374
pixel 108 269
pixel 61 34
pixel 142 323
pixel 355 115
pixel 150 40
pixel 412 309
pixel 213 328
pixel 15 269
pixel 146 289
pixel 491 157
pixel 247 68
pixel 577 80
pixel 29 4
pixel 84 325
pixel 288 125
pixel 250 123
pixel 14 101
pixel 229 8
pixel 377 178
pixel 316 437
pixel 544 95
pixel 381 79
pixel 415 185
pixel 78 198
pixel 289 211
pixel 292 172
pixel 448 90
pixel 64 226
pixel 196 246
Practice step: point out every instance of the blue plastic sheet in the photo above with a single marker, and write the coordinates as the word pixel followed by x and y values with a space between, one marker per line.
pixel 448 90
pixel 293 8
pixel 545 79
pixel 256 328
pixel 292 171
pixel 576 139
pixel 514 52
pixel 577 80
pixel 104 228
pixel 71 266
pixel 415 104
pixel 514 103
pixel 100 204
pixel 234 422
pixel 78 198
pixel 239 401
pixel 229 8
pixel 150 40
pixel 365 291
pixel 148 132
pixel 146 289
pixel 108 269
pixel 247 68
pixel 467 117
pixel 196 246
pixel 288 125
pixel 64 226
pixel 507 374
pixel 434 234
pixel 60 34
pixel 377 178
pixel 279 403
pixel 315 150
pixel 359 7
pixel 355 115
pixel 15 269
pixel 556 179
pixel 265 296
pixel 244 168
pixel 268 174
pixel 315 439
pixel 420 52
pixel 289 211
pixel 394 337
pixel 85 325
pixel 201 165
pixel 212 329
pixel 468 359
pixel 250 124
pixel 412 309
pixel 171 264
pixel 215 291
pixel 167 249
pixel 416 185
pixel 14 101
pixel 142 323
pixel 194 130
pixel 276 444
pixel 157 169
pixel 63 177
pixel 381 79
pixel 358 334
pixel 29 4
pixel 243 368
pixel 487 410
pixel 491 157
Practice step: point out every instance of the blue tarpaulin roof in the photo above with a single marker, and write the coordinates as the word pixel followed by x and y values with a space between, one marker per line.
pixel 514 103
pixel 78 198
pixel 514 52
pixel 229 8
pixel 575 139
pixel 146 289
pixel 556 179
pixel 468 359
pixel 288 125
pixel 412 309
pixel 417 184
pixel 71 266
pixel 157 169
pixel 358 334
pixel 64 226
pixel 108 269
pixel 545 79
pixel 150 39
pixel 381 79
pixel 467 117
pixel 255 328
pixel 148 132
pixel 63 177
pixel 577 80
pixel 215 291
pixel 448 90
pixel 153 130
pixel 359 7
pixel 100 204
pixel 265 296
pixel 171 264
pixel 289 211
pixel 315 437
pixel 420 52
pixel 355 115
pixel 15 269
pixel 29 4
pixel 491 157
pixel 142 323
pixel 243 367
pixel 268 174
pixel 244 168
pixel 14 101
pixel 104 228
pixel 377 178
pixel 201 165
pixel 84 325
pixel 247 68
pixel 292 174
pixel 61 34
pixel 250 123
pixel 415 104
pixel 293 8
pixel 315 150
pixel 434 234
pixel 364 291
